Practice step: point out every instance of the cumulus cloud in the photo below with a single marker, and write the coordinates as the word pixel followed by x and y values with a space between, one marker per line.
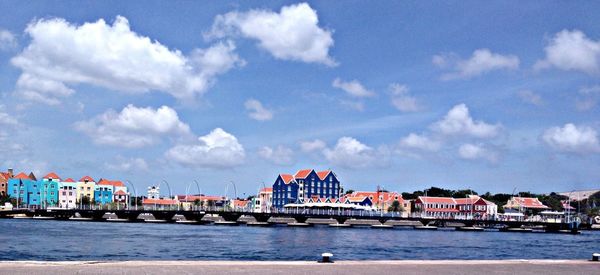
pixel 351 153
pixel 281 155
pixel 133 127
pixel 587 98
pixel 7 40
pixel 127 164
pixel 312 146
pixel 470 151
pixel 6 119
pixel 352 88
pixel 257 111
pixel 572 139
pixel 402 100
pixel 419 142
pixel 571 51
pixel 482 61
pixel 218 149
pixel 530 97
pixel 458 121
pixel 291 34
pixel 61 55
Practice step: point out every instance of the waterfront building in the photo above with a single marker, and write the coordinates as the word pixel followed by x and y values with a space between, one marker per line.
pixel 159 204
pixel 188 202
pixel 437 207
pixel 240 205
pixel 67 194
pixel 525 205
pixel 103 193
pixel 380 200
pixel 49 190
pixel 305 184
pixel 85 189
pixel 25 189
pixel 263 201
pixel 4 177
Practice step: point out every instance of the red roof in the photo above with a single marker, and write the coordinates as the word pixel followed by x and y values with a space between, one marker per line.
pixel 86 178
pixel 266 190
pixel 5 175
pixel 529 203
pixel 111 182
pixel 69 180
pixel 374 196
pixel 445 200
pixel 22 176
pixel 192 198
pixel 159 201
pixel 240 203
pixel 287 178
pixel 52 175
pixel 302 174
pixel 323 174
pixel 120 192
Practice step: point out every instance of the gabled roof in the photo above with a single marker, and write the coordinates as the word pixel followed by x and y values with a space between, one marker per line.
pixel 266 190
pixel 120 192
pixel 115 183
pixel 527 203
pixel 385 196
pixel 86 178
pixel 445 200
pixel 52 175
pixel 302 174
pixel 323 174
pixel 22 176
pixel 69 180
pixel 5 175
pixel 287 178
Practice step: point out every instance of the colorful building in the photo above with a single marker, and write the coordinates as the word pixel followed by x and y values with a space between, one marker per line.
pixel 303 185
pixel 4 177
pixel 103 193
pixel 67 194
pixel 263 201
pixel 159 204
pixel 25 189
pixel 380 200
pixel 85 189
pixel 523 204
pixel 49 190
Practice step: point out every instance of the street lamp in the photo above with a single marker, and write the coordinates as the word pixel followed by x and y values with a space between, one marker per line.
pixel 134 193
pixel 168 186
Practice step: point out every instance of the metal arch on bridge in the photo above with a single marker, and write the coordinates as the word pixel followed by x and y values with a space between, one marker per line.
pixel 300 217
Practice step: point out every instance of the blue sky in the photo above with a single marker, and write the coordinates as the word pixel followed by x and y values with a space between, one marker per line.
pixel 402 95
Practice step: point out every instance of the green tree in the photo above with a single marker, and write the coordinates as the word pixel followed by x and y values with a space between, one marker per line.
pixel 396 207
pixel 349 191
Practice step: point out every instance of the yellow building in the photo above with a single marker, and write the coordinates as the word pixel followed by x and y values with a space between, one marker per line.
pixel 85 188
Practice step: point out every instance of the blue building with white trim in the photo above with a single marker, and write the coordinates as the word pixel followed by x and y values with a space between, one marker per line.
pixel 304 185
pixel 25 190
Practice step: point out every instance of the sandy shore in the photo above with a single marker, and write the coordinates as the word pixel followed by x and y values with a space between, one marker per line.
pixel 545 267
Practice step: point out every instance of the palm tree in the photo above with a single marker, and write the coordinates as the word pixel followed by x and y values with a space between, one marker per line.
pixel 396 207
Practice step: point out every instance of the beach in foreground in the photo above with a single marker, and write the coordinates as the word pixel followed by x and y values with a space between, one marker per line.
pixel 546 267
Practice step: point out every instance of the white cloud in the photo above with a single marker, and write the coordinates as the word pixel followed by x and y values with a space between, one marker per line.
pixel 353 105
pixel 127 164
pixel 7 40
pixel 257 111
pixel 572 139
pixel 402 100
pixel 6 119
pixel 477 151
pixel 312 146
pixel 133 127
pixel 458 121
pixel 482 61
pixel 419 142
pixel 62 54
pixel 291 34
pixel 351 153
pixel 218 149
pixel 353 88
pixel 587 98
pixel 281 155
pixel 571 50
pixel 530 97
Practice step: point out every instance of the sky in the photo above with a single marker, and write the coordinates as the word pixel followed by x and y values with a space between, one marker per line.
pixel 496 96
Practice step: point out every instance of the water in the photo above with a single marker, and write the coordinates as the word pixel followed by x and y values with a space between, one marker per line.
pixel 68 240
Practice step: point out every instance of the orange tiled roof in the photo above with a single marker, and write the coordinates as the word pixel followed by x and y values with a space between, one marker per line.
pixel 445 200
pixel 302 174
pixel 22 176
pixel 323 174
pixel 287 178
pixel 52 175
pixel 386 197
pixel 69 180
pixel 530 203
pixel 5 175
pixel 120 192
pixel 240 203
pixel 191 198
pixel 266 190
pixel 159 201
pixel 111 182
pixel 86 178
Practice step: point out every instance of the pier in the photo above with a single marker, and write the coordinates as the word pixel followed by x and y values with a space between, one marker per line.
pixel 291 217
